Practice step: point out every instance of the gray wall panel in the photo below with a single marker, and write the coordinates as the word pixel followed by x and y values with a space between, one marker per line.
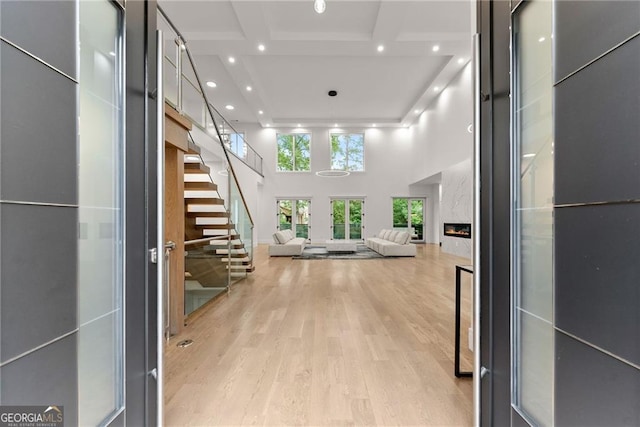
pixel 592 388
pixel 585 30
pixel 45 377
pixel 597 125
pixel 598 276
pixel 38 156
pixel 38 265
pixel 46 29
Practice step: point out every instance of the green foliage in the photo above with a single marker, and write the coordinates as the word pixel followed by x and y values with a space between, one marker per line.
pixel 294 152
pixel 400 213
pixel 347 151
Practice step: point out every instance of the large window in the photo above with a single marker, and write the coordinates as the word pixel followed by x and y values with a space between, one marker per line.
pixel 347 151
pixel 294 152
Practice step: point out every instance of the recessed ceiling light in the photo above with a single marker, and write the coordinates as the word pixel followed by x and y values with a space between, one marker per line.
pixel 335 125
pixel 299 125
pixel 249 88
pixel 460 60
pixel 416 111
pixel 211 84
pixel 319 6
pixel 373 125
pixel 435 48
pixel 112 53
pixel 261 47
pixel 229 107
pixel 380 48
pixel 268 125
pixel 437 88
pixel 541 39
pixel 528 155
pixel 260 112
pixel 232 59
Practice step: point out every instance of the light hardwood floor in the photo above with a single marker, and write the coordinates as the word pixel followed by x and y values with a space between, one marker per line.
pixel 325 343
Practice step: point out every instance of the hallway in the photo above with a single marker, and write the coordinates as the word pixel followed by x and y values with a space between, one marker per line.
pixel 326 342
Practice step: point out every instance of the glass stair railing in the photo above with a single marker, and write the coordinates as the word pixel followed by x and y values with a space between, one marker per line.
pixel 218 225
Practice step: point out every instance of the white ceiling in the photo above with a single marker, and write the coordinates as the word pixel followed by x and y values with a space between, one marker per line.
pixel 308 54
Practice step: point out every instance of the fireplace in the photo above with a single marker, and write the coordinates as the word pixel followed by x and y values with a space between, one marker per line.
pixel 453 229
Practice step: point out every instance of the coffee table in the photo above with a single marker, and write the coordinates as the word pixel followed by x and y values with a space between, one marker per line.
pixel 341 246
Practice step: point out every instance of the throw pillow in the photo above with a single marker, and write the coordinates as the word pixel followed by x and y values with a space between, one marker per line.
pixel 381 233
pixel 401 238
pixel 282 238
pixel 392 236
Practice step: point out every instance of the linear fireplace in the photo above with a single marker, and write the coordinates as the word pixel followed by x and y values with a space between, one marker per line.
pixel 453 229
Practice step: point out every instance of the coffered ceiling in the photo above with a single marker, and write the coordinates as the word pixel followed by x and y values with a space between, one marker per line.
pixel 426 43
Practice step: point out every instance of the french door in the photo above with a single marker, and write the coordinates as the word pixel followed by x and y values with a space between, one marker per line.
pixel 347 217
pixel 409 213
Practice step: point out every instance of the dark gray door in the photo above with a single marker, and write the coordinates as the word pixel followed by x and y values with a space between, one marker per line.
pixel 558 212
pixel 141 222
pixel 495 196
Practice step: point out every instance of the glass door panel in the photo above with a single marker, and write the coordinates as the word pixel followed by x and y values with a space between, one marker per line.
pixel 100 213
pixel 338 208
pixel 409 214
pixel 533 352
pixel 400 213
pixel 355 219
pixel 285 213
pixel 303 208
pixel 417 219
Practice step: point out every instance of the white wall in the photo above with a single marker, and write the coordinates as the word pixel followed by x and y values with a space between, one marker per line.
pixel 441 132
pixel 444 148
pixel 388 159
pixel 396 160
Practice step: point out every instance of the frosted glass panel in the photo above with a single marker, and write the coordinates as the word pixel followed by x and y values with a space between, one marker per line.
pixel 533 230
pixel 100 233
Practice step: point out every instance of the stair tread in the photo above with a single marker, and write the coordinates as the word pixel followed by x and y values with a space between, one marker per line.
pixel 218 214
pixel 196 168
pixel 200 185
pixel 203 201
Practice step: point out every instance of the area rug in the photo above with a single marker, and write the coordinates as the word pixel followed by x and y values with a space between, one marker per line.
pixel 320 252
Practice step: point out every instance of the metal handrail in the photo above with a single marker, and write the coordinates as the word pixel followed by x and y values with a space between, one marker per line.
pixel 200 89
pixel 205 239
pixel 181 41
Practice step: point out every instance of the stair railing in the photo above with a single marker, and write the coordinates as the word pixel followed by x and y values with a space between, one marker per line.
pixel 239 216
pixel 188 95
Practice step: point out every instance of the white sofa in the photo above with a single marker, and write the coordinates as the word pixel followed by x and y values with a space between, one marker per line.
pixel 286 244
pixel 392 243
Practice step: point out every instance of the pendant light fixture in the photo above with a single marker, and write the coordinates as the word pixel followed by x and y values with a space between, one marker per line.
pixel 319 6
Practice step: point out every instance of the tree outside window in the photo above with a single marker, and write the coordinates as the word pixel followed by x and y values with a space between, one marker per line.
pixel 347 151
pixel 294 152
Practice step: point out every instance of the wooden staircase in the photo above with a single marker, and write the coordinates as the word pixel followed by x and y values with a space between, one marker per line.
pixel 206 216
